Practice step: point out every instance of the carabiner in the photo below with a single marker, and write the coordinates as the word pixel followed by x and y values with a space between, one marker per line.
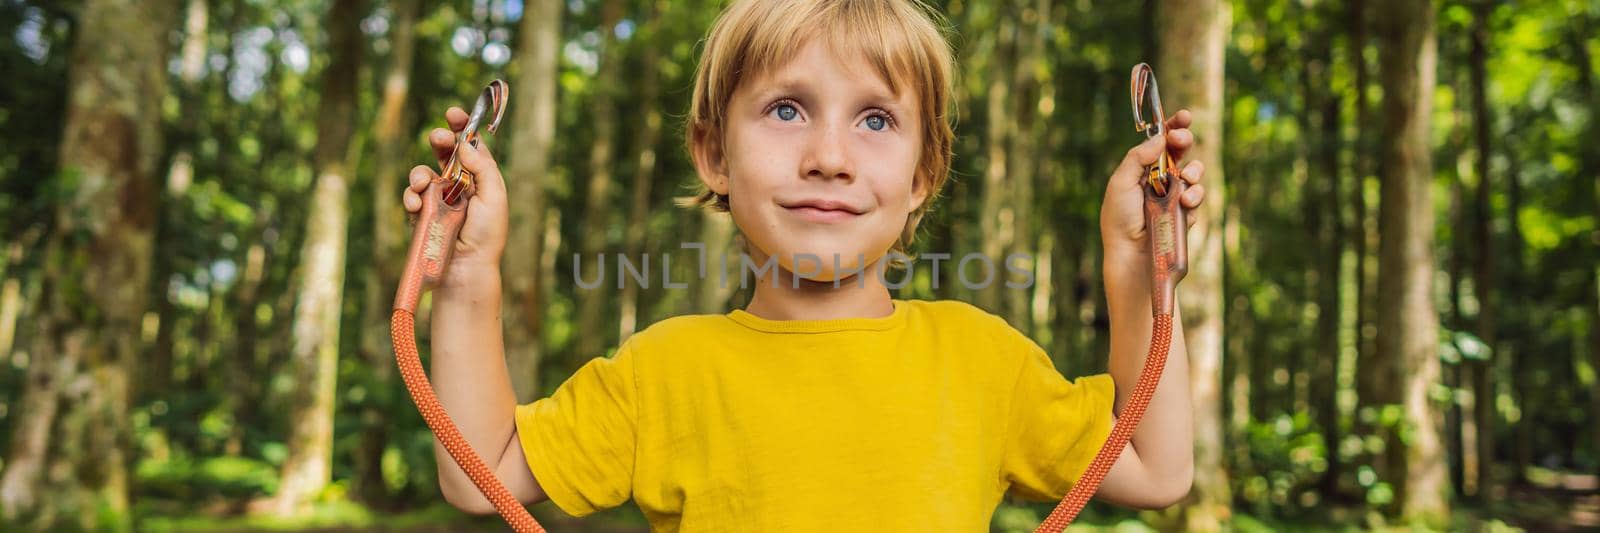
pixel 1164 215
pixel 462 181
pixel 1144 84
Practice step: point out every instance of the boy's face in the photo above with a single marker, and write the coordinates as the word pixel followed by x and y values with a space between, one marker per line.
pixel 819 159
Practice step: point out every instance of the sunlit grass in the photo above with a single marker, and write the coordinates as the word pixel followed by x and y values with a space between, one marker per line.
pixel 336 515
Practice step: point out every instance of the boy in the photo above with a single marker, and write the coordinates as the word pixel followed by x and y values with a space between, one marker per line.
pixel 821 127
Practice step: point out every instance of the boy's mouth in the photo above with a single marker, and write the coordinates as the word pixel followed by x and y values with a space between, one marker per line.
pixel 821 210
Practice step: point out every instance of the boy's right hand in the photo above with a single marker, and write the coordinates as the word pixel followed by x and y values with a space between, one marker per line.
pixel 483 236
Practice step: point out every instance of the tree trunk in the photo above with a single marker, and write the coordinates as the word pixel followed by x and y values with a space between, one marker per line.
pixel 533 127
pixel 1483 404
pixel 390 135
pixel 1589 171
pixel 1458 463
pixel 1329 350
pixel 1518 364
pixel 1408 336
pixel 180 174
pixel 1577 39
pixel 10 308
pixel 258 257
pixel 597 206
pixel 1369 383
pixel 30 437
pixel 643 175
pixel 1022 155
pixel 997 221
pixel 242 362
pixel 11 302
pixel 1190 68
pixel 314 355
pixel 1238 351
pixel 98 263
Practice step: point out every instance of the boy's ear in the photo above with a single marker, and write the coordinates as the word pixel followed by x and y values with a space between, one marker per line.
pixel 919 192
pixel 709 162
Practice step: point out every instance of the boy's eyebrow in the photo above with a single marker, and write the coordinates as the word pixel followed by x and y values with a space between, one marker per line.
pixel 879 96
pixel 786 86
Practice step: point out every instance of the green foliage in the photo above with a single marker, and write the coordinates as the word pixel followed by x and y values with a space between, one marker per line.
pixel 198 479
pixel 212 437
pixel 1287 457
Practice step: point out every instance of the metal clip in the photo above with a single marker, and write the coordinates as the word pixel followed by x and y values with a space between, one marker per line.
pixel 1144 85
pixel 462 181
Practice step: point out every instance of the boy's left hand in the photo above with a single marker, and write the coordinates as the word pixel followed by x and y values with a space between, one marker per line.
pixel 1122 211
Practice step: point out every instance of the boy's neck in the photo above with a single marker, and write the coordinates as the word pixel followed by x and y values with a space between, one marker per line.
pixel 861 295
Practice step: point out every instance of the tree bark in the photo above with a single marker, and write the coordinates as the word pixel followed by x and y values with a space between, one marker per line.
pixel 1408 336
pixel 1484 285
pixel 1577 39
pixel 533 127
pixel 644 174
pixel 1589 171
pixel 98 265
pixel 1518 364
pixel 1028 126
pixel 390 135
pixel 1190 70
pixel 997 221
pixel 1452 376
pixel 1369 382
pixel 180 174
pixel 1331 239
pixel 242 363
pixel 314 354
pixel 597 209
pixel 11 301
pixel 30 437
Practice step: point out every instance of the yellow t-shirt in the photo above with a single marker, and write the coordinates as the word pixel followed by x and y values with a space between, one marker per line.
pixel 919 421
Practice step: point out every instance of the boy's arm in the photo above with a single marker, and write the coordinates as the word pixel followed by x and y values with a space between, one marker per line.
pixel 470 377
pixel 1156 469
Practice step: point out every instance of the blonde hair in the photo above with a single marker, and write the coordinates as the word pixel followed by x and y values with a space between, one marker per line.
pixel 901 39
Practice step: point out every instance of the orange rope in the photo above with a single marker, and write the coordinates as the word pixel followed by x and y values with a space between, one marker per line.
pixel 401 326
pixel 1149 377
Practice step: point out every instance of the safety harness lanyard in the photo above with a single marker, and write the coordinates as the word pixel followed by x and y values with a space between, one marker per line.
pixel 1165 226
pixel 444 210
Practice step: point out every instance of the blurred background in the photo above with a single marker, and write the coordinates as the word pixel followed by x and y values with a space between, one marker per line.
pixel 1393 306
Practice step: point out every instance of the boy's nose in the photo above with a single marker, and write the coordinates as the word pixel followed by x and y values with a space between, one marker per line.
pixel 826 155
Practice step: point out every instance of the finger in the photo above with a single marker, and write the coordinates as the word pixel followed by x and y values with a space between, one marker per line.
pixel 412 200
pixel 483 147
pixel 1193 196
pixel 420 177
pixel 488 183
pixel 1193 171
pixel 1180 120
pixel 495 182
pixel 443 142
pixel 1178 142
pixel 1142 155
pixel 456 118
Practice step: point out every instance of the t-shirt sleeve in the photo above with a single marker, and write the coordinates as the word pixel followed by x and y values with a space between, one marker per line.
pixel 1056 427
pixel 580 440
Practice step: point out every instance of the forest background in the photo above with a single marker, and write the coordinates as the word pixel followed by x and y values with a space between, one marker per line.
pixel 1393 306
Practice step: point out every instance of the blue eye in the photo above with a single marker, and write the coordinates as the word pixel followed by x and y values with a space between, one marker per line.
pixel 787 112
pixel 877 123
